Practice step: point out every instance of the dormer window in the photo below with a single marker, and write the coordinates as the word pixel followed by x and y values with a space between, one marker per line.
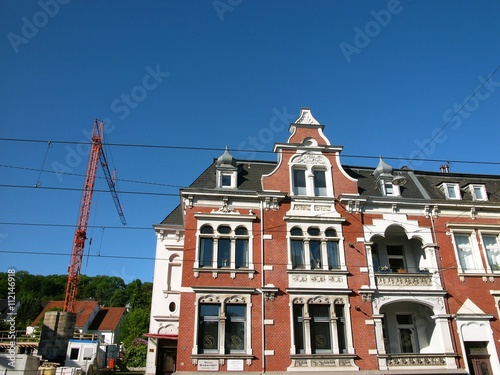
pixel 384 175
pixel 225 180
pixel 227 172
pixel 478 192
pixel 389 189
pixel 451 191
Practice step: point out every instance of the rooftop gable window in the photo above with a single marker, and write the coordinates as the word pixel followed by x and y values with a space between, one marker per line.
pixel 478 192
pixel 451 190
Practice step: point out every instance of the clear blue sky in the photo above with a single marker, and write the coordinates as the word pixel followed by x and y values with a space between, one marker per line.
pixel 383 76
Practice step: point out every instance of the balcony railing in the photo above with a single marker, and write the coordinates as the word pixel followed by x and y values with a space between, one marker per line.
pixel 417 281
pixel 421 361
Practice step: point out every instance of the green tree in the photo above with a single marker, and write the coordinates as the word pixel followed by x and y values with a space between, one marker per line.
pixel 135 354
pixel 139 294
pixel 135 324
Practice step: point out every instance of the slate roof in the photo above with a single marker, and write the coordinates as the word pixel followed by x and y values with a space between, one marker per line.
pixel 420 184
pixel 107 319
pixel 249 179
pixel 83 310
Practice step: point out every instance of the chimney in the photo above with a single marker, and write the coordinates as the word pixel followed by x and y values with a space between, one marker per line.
pixel 445 168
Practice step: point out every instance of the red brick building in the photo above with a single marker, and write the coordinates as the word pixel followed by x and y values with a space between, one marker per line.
pixel 304 264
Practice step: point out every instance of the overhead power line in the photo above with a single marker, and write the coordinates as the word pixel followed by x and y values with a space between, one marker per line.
pixel 194 148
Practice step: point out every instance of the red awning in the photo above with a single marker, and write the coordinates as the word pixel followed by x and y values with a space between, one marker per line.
pixel 162 336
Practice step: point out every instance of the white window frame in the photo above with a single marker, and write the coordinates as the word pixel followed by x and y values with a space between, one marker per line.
pixel 331 301
pixel 455 188
pixel 412 327
pixel 216 221
pixel 233 175
pixel 223 300
pixel 311 163
pixel 323 239
pixel 475 257
pixel 490 261
pixel 396 192
pixel 474 188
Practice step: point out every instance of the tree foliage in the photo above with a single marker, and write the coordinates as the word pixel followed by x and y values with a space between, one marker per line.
pixel 36 290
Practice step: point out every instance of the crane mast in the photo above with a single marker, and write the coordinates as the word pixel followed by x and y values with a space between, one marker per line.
pixel 96 155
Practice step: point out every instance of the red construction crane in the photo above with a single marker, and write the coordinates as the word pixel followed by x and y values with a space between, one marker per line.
pixel 96 153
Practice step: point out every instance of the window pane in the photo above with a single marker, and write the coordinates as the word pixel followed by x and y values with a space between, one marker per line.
pixel 235 328
pixel 298 328
pixel 394 250
pixel 389 188
pixel 406 340
pixel 241 253
pixel 206 252
pixel 74 353
pixel 451 192
pixel 224 229
pixel 208 333
pixel 320 328
pixel 226 180
pixel 315 254
pixel 296 232
pixel 342 342
pixel 313 231
pixel 464 250
pixel 478 193
pixel 333 255
pixel 297 254
pixel 492 251
pixel 319 183
pixel 207 229
pixel 299 182
pixel 241 231
pixel 224 251
pixel 330 233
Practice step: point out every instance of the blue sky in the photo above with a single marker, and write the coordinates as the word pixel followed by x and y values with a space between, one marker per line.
pixel 402 79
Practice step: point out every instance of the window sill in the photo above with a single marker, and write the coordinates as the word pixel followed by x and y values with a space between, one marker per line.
pixel 232 271
pixel 318 270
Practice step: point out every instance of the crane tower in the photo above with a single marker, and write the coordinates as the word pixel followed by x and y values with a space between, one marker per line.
pixel 96 154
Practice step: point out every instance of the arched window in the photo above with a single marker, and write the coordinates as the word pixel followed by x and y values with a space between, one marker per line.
pixel 241 250
pixel 206 246
pixel 224 248
pixel 297 248
pixel 316 250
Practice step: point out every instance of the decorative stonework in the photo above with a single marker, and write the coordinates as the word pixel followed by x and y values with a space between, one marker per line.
pixel 318 279
pixel 416 361
pixel 306 117
pixel 302 207
pixel 312 159
pixel 398 280
pixel 322 208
